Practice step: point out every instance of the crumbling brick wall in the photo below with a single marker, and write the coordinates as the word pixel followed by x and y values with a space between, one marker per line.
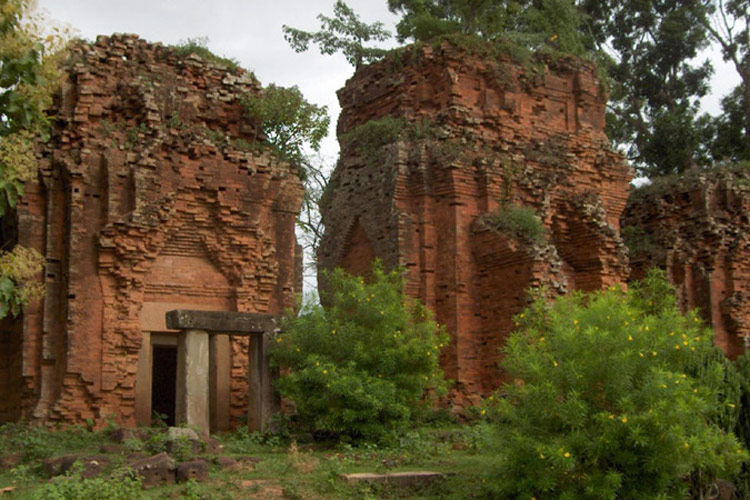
pixel 464 137
pixel 696 228
pixel 153 189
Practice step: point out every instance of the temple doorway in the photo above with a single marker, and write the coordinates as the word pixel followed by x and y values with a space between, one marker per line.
pixel 164 383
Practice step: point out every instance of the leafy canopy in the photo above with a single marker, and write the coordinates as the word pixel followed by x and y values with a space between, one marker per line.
pixel 344 33
pixel 289 122
pixel 28 76
pixel 360 368
pixel 533 24
pixel 611 399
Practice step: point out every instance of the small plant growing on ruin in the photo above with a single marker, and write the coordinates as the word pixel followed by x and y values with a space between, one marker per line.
pixel 199 47
pixel 360 367
pixel 517 222
pixel 611 399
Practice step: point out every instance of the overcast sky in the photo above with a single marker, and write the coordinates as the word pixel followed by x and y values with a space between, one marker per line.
pixel 250 32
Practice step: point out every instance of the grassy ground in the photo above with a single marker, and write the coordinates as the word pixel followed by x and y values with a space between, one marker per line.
pixel 285 469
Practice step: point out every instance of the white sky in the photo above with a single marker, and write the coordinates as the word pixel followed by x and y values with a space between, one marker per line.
pixel 250 32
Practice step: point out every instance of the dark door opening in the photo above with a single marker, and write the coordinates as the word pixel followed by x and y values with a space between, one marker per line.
pixel 164 382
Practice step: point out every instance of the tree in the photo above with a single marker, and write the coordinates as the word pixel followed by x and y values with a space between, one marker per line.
pixel 288 122
pixel 358 368
pixel 729 26
pixel 28 75
pixel 343 33
pixel 531 23
pixel 615 395
pixel 655 88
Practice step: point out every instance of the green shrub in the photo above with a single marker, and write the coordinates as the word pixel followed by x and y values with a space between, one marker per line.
pixel 359 368
pixel 516 221
pixel 73 487
pixel 603 403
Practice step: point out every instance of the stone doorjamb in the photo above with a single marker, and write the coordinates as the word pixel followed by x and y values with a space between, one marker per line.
pixel 193 366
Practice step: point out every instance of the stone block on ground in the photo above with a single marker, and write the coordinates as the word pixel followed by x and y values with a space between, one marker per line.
pixel 91 466
pixel 196 470
pixel 401 480
pixel 155 470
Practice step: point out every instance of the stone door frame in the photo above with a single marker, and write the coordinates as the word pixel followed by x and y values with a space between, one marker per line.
pixel 196 373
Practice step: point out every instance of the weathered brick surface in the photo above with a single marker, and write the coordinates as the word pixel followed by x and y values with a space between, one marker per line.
pixel 696 228
pixel 481 133
pixel 151 191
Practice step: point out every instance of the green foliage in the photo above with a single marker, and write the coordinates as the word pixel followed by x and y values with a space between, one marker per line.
pixel 656 82
pixel 199 47
pixel 550 23
pixel 289 122
pixel 516 221
pixel 369 137
pixel 359 368
pixel 608 401
pixel 17 271
pixel 37 443
pixel 637 240
pixel 74 487
pixel 343 33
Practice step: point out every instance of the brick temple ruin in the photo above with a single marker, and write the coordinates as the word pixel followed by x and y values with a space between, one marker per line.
pixel 153 197
pixel 476 135
pixel 696 228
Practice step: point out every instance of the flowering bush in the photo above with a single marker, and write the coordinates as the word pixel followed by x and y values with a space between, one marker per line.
pixel 359 367
pixel 612 398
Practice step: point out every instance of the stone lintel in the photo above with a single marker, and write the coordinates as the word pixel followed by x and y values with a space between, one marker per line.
pixel 235 323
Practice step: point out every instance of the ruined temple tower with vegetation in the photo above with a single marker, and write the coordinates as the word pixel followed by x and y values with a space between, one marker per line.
pixel 152 197
pixel 696 228
pixel 483 173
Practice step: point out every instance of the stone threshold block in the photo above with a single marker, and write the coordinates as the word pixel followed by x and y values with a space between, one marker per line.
pixel 401 480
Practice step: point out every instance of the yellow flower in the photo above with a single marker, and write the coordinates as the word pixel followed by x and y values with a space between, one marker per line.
pixel 671 334
pixel 575 321
pixel 278 340
pixel 325 372
pixel 541 339
pixel 624 420
pixel 653 353
pixel 687 445
pixel 646 328
pixel 731 405
pixel 554 362
pixel 685 342
pixel 640 354
pixel 677 346
pixel 630 338
pixel 483 412
pixel 317 363
pixel 611 417
pixel 567 454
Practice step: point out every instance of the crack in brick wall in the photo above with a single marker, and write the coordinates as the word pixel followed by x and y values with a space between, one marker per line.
pixel 480 134
pixel 152 190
